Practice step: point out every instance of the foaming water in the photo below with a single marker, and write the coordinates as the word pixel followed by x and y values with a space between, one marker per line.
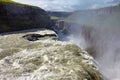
pixel 45 59
pixel 106 43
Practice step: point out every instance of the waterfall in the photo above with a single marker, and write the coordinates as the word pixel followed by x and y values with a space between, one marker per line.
pixel 103 43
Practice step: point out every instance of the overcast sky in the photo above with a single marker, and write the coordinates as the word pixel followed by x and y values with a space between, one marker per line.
pixel 69 5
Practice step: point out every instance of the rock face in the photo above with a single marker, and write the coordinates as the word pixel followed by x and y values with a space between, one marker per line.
pixel 15 16
pixel 35 37
pixel 44 59
pixel 61 26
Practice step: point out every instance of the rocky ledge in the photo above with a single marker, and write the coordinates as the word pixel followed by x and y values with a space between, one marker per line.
pixel 45 58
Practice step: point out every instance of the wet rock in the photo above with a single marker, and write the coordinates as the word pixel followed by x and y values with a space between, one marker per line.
pixel 62 26
pixel 46 59
pixel 35 37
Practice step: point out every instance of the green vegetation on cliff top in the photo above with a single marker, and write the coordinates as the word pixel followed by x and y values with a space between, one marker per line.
pixel 13 2
pixel 6 0
pixel 9 1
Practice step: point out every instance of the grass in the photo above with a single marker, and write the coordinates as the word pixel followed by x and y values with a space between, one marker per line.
pixel 5 0
pixel 53 17
pixel 8 1
pixel 13 2
pixel 58 18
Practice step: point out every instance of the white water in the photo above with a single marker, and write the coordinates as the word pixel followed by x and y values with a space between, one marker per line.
pixel 106 42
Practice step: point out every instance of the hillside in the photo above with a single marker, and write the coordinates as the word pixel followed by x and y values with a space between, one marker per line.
pixel 16 16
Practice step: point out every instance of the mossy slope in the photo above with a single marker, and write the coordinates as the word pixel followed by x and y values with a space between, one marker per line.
pixel 15 16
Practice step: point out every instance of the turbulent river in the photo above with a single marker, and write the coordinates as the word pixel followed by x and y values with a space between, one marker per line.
pixel 104 44
pixel 40 55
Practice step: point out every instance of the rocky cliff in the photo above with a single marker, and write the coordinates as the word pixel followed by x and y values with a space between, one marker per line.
pixel 39 55
pixel 15 16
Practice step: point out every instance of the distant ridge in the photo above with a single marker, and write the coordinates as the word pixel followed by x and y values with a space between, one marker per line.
pixel 108 16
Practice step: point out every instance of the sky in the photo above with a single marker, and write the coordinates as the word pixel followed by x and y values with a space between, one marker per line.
pixel 69 5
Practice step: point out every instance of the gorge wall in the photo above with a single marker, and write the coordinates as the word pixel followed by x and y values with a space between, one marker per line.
pixel 15 16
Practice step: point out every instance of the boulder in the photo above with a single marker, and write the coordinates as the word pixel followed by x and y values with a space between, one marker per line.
pixel 44 59
pixel 35 37
pixel 15 16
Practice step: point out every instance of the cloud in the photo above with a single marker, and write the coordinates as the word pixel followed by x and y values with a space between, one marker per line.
pixel 69 5
pixel 115 1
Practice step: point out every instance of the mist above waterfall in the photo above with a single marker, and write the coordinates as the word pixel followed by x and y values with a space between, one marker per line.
pixel 107 48
pixel 99 33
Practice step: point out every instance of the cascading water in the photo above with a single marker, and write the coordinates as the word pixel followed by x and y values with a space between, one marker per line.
pixel 105 41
